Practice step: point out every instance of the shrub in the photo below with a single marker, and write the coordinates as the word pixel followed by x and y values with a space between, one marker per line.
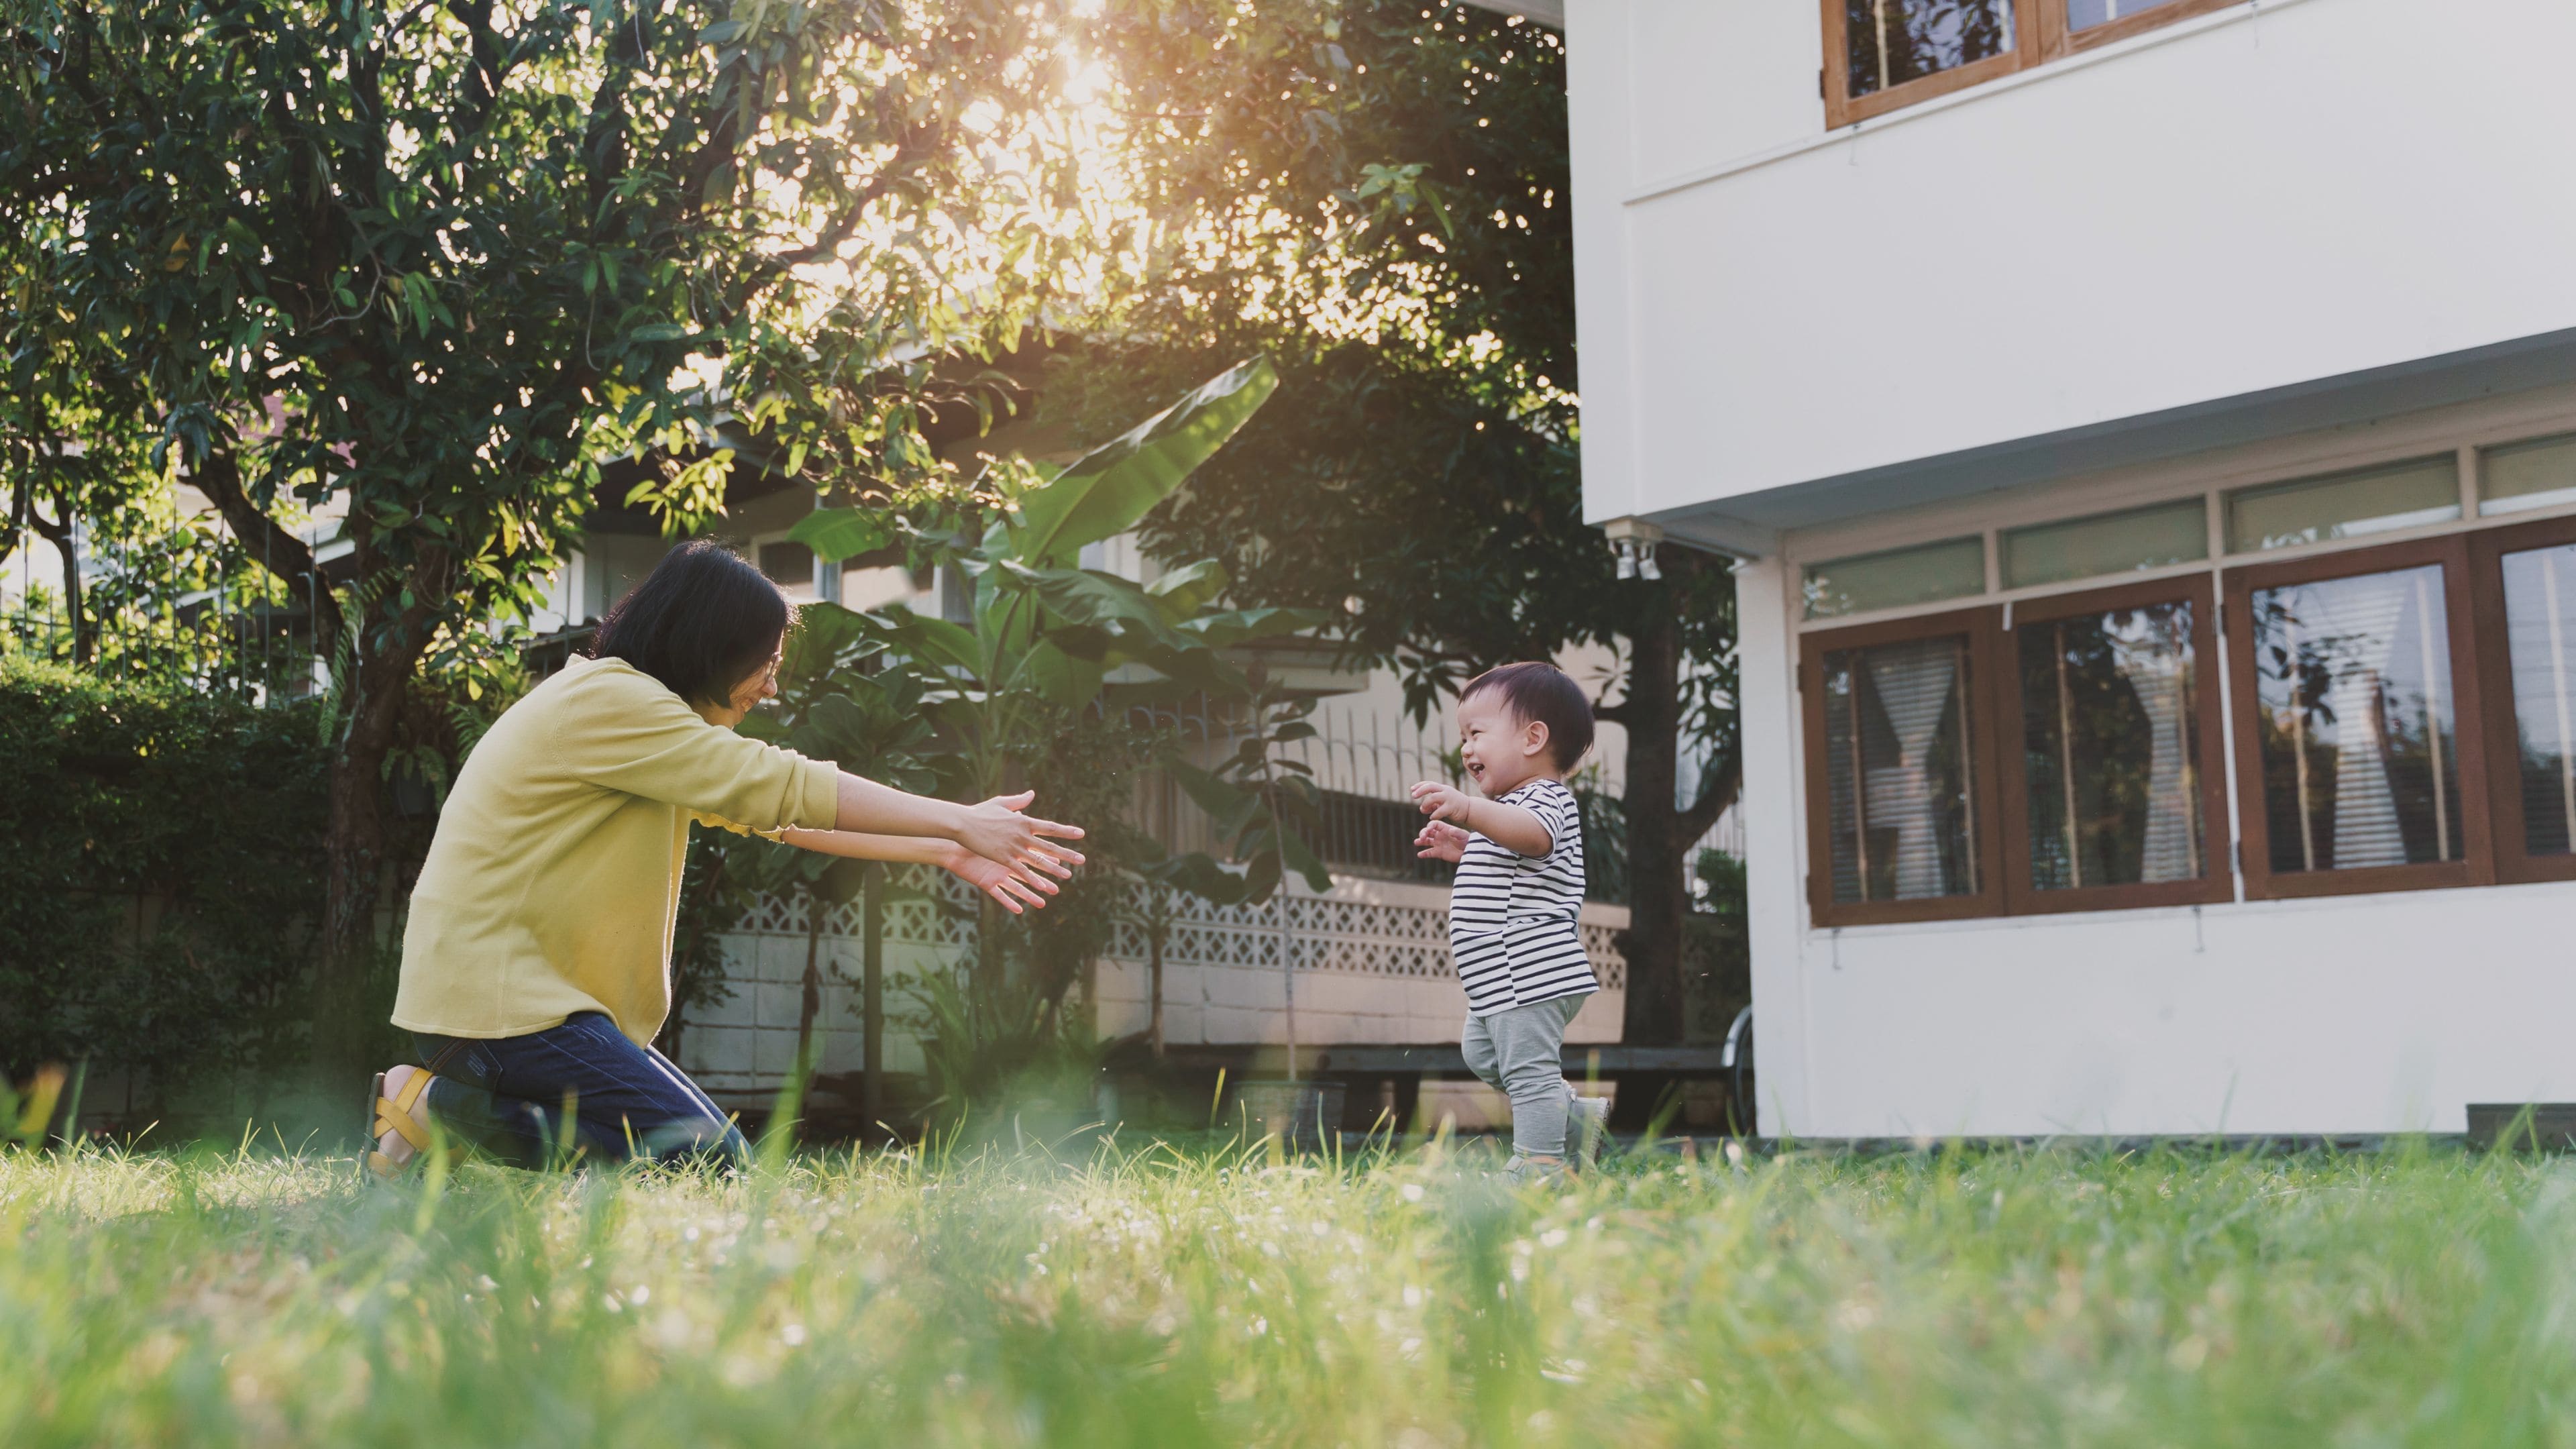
pixel 160 874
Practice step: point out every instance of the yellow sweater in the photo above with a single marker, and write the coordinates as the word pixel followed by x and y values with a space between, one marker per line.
pixel 554 879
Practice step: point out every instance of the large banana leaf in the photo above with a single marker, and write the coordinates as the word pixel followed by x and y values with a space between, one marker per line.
pixel 1108 489
pixel 1081 596
pixel 1184 592
pixel 838 533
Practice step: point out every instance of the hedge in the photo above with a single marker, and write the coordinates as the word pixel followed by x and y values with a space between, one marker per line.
pixel 161 875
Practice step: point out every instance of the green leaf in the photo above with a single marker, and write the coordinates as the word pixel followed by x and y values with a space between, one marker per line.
pixel 1302 860
pixel 940 642
pixel 826 637
pixel 1082 596
pixel 1063 680
pixel 1184 592
pixel 1227 804
pixel 838 533
pixel 1242 626
pixel 1108 489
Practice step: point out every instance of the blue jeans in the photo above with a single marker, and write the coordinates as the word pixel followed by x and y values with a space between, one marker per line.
pixel 581 1087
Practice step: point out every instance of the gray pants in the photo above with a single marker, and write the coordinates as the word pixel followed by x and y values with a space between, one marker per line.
pixel 1520 1052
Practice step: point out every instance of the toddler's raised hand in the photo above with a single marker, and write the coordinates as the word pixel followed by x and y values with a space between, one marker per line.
pixel 1441 802
pixel 1441 840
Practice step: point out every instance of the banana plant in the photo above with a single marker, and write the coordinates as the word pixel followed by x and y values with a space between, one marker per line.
pixel 1046 635
pixel 832 706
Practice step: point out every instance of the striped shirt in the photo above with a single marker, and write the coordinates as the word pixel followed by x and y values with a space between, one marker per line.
pixel 1513 918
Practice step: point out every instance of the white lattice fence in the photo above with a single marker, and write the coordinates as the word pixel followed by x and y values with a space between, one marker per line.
pixel 1371 965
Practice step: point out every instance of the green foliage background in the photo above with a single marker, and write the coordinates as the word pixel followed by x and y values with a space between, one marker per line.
pixel 205 810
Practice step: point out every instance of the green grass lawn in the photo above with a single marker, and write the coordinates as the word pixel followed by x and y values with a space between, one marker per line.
pixel 1168 1296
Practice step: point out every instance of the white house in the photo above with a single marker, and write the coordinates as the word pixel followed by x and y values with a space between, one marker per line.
pixel 2148 435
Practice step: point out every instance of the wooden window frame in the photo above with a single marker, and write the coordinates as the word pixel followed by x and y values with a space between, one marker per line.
pixel 1979 624
pixel 2513 863
pixel 2040 35
pixel 2476 865
pixel 2216 881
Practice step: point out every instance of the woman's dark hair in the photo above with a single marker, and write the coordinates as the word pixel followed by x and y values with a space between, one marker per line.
pixel 702 622
pixel 1542 693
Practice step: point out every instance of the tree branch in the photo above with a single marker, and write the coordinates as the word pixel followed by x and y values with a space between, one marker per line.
pixel 218 476
pixel 1715 795
pixel 910 150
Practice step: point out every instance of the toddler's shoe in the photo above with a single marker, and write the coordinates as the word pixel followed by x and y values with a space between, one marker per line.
pixel 1588 1123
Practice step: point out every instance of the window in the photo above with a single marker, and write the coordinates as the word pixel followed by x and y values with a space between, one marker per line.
pixel 2114 707
pixel 2540 474
pixel 2107 543
pixel 2350 726
pixel 2344 505
pixel 2402 714
pixel 1896 578
pixel 1885 54
pixel 1904 820
pixel 2527 644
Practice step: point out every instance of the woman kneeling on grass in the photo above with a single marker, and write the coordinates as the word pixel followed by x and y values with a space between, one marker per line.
pixel 536 965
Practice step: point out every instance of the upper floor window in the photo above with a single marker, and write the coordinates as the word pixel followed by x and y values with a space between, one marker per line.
pixel 1886 54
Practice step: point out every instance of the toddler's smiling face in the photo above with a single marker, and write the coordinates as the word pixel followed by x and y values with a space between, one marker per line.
pixel 1501 751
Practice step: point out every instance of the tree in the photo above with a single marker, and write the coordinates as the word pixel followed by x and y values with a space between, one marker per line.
pixel 1378 194
pixel 424 267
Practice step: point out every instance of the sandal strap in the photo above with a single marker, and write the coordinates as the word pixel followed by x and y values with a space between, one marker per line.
pixel 393 1114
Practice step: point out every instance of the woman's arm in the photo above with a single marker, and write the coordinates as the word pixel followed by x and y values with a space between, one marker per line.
pixel 1008 885
pixel 995 829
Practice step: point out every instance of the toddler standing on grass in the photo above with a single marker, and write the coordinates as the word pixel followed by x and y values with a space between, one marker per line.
pixel 1518 898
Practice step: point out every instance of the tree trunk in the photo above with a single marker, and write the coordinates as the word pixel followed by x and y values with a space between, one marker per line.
pixel 1657 900
pixel 872 999
pixel 354 842
pixel 59 533
pixel 1158 924
pixel 810 1003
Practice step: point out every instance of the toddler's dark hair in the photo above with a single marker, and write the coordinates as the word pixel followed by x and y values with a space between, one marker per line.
pixel 1542 693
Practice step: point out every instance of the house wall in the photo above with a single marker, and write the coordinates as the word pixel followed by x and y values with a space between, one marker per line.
pixel 2256 198
pixel 2368 1013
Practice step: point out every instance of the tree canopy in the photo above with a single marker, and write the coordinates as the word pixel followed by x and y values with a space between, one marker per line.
pixel 420 270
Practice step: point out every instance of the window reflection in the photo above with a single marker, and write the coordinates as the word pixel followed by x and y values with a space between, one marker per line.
pixel 2540 632
pixel 1897 771
pixel 2111 748
pixel 1890 42
pixel 2353 691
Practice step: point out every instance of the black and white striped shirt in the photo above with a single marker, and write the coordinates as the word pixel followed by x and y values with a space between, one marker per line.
pixel 1514 919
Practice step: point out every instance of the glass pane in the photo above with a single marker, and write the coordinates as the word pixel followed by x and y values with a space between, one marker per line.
pixel 2111 748
pixel 2085 14
pixel 1897 771
pixel 1890 42
pixel 2353 691
pixel 2141 538
pixel 1899 577
pixel 2539 474
pixel 2540 630
pixel 2347 505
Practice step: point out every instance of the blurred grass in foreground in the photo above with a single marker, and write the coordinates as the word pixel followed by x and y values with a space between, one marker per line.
pixel 1173 1296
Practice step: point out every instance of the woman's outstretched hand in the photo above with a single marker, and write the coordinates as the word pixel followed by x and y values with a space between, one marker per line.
pixel 1016 888
pixel 1000 833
